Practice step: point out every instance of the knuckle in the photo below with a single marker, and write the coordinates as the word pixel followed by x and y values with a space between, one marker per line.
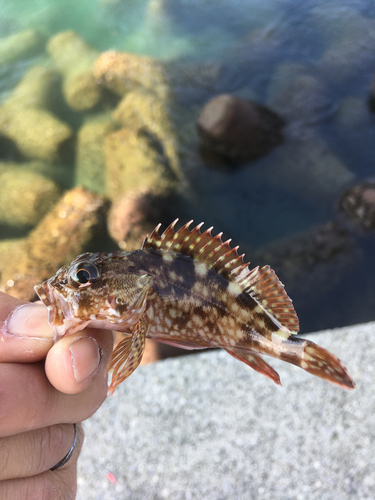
pixel 50 445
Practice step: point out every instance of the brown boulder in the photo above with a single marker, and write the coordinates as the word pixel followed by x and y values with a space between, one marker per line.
pixel 238 129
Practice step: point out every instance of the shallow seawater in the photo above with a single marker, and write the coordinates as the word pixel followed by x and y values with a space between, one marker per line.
pixel 310 61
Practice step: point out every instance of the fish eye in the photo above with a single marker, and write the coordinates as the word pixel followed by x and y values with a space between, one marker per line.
pixel 84 274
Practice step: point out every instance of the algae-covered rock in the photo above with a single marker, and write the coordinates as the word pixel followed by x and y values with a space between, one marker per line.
pixel 20 45
pixel 90 166
pixel 63 234
pixel 26 120
pixel 38 134
pixel 122 72
pixel 135 160
pixel 37 89
pixel 74 59
pixel 142 108
pixel 25 196
pixel 148 101
pixel 9 252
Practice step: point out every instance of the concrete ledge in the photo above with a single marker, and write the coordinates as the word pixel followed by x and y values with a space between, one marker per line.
pixel 208 427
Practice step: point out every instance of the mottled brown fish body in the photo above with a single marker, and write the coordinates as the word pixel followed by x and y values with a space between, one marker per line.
pixel 189 289
pixel 192 303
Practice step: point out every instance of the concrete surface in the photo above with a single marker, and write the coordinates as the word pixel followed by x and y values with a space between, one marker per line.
pixel 208 427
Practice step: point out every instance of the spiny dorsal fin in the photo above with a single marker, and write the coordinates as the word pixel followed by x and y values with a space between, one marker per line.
pixel 204 247
pixel 261 284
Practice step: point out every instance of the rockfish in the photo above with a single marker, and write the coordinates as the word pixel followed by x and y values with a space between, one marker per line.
pixel 189 289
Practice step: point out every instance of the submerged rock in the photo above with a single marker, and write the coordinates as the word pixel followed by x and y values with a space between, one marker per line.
pixel 90 160
pixel 74 58
pixel 132 216
pixel 143 109
pixel 239 129
pixel 135 160
pixel 26 120
pixel 350 37
pixel 301 252
pixel 309 169
pixel 20 45
pixel 122 72
pixel 25 196
pixel 148 144
pixel 298 97
pixel 312 263
pixel 353 112
pixel 358 202
pixel 63 234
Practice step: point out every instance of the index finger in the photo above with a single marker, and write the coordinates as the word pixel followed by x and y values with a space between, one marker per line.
pixel 25 334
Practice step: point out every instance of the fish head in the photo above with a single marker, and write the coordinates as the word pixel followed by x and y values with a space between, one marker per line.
pixel 96 289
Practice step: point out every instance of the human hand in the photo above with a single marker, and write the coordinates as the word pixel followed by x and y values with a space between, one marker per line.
pixel 44 390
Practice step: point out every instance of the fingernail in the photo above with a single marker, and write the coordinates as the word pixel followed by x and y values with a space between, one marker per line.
pixel 86 355
pixel 29 320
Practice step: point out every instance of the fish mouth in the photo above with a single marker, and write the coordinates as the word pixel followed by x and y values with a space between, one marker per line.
pixel 60 314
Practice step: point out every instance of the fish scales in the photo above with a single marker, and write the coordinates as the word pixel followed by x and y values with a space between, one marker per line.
pixel 189 289
pixel 201 309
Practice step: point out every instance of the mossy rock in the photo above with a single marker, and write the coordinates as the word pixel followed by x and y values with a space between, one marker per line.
pixel 25 196
pixel 135 160
pixel 142 108
pixel 27 121
pixel 90 165
pixel 74 58
pixel 122 72
pixel 20 45
pixel 60 236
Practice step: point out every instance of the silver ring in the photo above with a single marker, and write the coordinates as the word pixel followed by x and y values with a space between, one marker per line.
pixel 69 454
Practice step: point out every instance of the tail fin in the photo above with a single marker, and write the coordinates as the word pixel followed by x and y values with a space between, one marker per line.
pixel 317 361
pixel 300 352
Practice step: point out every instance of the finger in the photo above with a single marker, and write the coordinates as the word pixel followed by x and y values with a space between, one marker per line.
pixel 29 401
pixel 31 453
pixel 73 361
pixel 25 334
pixel 60 484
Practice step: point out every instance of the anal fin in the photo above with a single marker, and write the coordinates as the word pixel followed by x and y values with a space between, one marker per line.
pixel 256 362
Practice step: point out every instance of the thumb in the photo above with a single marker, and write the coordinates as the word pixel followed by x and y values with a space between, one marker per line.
pixel 77 360
pixel 25 334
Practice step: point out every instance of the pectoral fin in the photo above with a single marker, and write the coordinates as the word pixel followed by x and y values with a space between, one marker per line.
pixel 127 355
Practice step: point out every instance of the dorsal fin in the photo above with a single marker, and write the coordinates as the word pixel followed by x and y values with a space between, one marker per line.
pixel 265 287
pixel 204 247
pixel 261 284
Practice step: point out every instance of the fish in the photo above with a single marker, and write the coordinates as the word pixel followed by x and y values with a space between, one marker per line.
pixel 190 289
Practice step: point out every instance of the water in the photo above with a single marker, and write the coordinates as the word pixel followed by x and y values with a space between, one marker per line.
pixel 290 191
